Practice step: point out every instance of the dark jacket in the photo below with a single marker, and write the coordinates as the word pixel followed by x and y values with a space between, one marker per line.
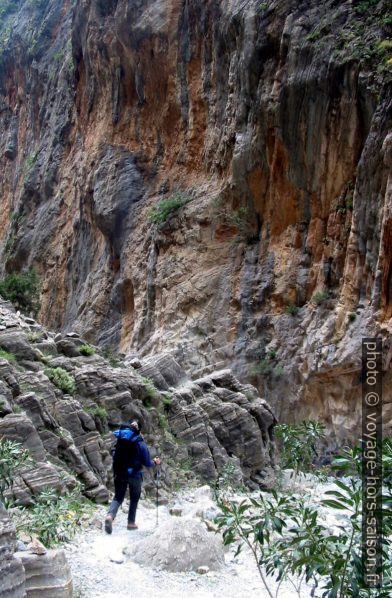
pixel 130 453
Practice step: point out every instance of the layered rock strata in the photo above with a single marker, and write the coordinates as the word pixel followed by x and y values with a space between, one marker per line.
pixel 198 427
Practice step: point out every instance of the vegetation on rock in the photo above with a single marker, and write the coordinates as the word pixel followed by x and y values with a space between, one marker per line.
pixel 13 457
pixel 22 289
pixel 87 350
pixel 299 445
pixel 290 539
pixel 165 209
pixel 51 518
pixel 7 355
pixel 62 379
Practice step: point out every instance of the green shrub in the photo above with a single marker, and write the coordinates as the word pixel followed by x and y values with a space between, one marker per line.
pixel 185 464
pixel 291 309
pixel 6 355
pixel 319 297
pixel 150 392
pixel 52 518
pixel 163 423
pixel 31 160
pixel 12 457
pixel 22 289
pixel 167 401
pixel 263 368
pixel 365 6
pixel 299 444
pixel 314 35
pixel 87 350
pixel 352 316
pixel 62 379
pixel 290 540
pixel 98 411
pixel 349 203
pixel 166 208
pixel 99 414
pixel 111 356
pixel 34 337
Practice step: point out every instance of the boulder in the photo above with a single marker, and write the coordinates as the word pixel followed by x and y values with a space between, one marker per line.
pixel 12 577
pixel 20 428
pixel 15 342
pixel 179 545
pixel 47 575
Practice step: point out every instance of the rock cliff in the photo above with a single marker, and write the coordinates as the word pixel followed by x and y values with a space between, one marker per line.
pixel 267 123
pixel 61 405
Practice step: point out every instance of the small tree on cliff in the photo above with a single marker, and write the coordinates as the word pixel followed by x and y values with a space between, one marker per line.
pixel 22 289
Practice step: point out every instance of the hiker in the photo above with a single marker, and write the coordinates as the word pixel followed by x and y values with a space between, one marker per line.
pixel 130 454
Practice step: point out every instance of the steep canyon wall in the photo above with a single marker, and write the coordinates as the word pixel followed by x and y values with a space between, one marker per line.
pixel 270 122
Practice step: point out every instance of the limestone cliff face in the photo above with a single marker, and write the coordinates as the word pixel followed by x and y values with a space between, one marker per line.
pixel 271 120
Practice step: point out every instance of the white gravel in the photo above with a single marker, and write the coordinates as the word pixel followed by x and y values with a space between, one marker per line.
pixel 96 574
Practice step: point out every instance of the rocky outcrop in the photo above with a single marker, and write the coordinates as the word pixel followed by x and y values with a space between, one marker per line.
pixel 271 120
pixel 47 575
pixel 12 576
pixel 198 427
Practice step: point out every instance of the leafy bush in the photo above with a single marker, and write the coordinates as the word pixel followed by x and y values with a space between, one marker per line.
pixel 98 411
pixel 52 518
pixel 365 6
pixel 352 316
pixel 263 368
pixel 163 423
pixel 87 350
pixel 291 309
pixel 298 444
pixel 35 337
pixel 112 357
pixel 314 35
pixel 6 355
pixel 319 297
pixel 289 539
pixel 62 379
pixel 150 392
pixel 166 208
pixel 22 289
pixel 12 457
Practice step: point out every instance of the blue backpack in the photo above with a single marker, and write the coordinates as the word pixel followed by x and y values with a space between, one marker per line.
pixel 126 453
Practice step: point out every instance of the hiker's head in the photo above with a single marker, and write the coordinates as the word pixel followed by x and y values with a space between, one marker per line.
pixel 136 425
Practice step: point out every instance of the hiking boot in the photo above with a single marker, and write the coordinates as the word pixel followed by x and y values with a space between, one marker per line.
pixel 131 525
pixel 109 524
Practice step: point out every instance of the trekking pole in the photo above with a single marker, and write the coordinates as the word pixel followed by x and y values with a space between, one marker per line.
pixel 157 479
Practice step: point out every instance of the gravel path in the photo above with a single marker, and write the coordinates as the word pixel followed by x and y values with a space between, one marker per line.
pixel 95 575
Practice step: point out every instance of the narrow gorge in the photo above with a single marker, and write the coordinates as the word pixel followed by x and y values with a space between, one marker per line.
pixel 203 191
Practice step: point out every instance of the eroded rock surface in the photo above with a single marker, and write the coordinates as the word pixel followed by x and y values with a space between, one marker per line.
pixel 198 427
pixel 272 120
pixel 12 575
pixel 47 575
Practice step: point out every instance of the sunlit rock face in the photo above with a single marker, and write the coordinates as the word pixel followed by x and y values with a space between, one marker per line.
pixel 264 116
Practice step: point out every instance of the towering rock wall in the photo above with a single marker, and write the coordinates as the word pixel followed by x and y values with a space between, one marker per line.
pixel 270 120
